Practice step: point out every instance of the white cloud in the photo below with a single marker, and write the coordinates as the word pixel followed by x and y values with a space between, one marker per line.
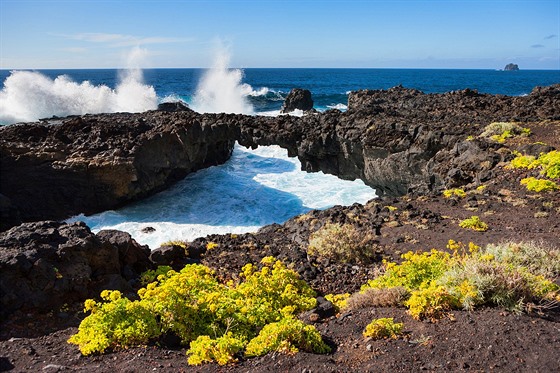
pixel 122 40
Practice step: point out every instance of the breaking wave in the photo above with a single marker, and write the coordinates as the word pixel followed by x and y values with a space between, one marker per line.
pixel 28 96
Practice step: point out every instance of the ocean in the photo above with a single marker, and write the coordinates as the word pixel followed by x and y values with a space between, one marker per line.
pixel 255 187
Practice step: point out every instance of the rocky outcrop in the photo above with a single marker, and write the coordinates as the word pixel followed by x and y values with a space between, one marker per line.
pixel 46 264
pixel 173 106
pixel 86 164
pixel 402 140
pixel 511 67
pixel 397 141
pixel 297 99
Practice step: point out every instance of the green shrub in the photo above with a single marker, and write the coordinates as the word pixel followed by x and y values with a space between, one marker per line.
pixel 417 270
pixel 194 305
pixel 289 335
pixel 221 350
pixel 338 300
pixel 549 163
pixel 536 257
pixel 514 276
pixel 474 223
pixel 500 131
pixel 478 282
pixel 113 323
pixel 383 328
pixel 524 161
pixel 341 243
pixel 152 275
pixel 539 185
pixel 448 193
pixel 430 301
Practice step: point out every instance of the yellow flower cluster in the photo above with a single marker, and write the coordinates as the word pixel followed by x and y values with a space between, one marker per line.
pixel 438 282
pixel 195 306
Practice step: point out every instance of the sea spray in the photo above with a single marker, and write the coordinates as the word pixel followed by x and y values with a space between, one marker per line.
pixel 29 96
pixel 221 91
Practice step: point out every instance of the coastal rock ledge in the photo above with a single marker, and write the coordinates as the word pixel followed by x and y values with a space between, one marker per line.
pixel 54 169
pixel 397 141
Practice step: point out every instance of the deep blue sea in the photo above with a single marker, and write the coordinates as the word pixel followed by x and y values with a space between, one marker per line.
pixel 254 188
pixel 263 89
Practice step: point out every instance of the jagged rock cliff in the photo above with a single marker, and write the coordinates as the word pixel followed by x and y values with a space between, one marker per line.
pixel 397 141
pixel 92 163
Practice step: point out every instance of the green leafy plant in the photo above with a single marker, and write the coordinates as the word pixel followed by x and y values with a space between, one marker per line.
pixel 549 163
pixel 221 350
pixel 383 328
pixel 500 131
pixel 152 275
pixel 338 300
pixel 539 185
pixel 474 223
pixel 113 323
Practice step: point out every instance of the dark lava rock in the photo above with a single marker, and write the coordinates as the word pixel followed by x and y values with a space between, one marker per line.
pixel 171 255
pixel 94 163
pixel 46 264
pixel 511 67
pixel 299 99
pixel 173 107
pixel 397 141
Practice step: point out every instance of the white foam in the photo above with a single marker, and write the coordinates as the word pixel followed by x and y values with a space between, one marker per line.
pixel 249 91
pixel 340 107
pixel 29 96
pixel 254 188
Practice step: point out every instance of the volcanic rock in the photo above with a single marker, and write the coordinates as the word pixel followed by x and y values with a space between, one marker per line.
pixel 298 99
pixel 511 67
pixel 173 106
pixel 46 264
pixel 397 141
pixel 93 163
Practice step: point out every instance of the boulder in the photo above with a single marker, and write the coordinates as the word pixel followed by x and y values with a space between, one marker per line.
pixel 297 99
pixel 44 265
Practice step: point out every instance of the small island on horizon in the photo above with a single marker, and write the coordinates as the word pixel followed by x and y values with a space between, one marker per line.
pixel 511 67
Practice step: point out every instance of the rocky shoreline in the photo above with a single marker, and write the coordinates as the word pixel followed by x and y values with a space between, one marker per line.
pixel 408 145
pixel 397 141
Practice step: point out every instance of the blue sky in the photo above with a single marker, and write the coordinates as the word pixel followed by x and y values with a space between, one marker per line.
pixel 288 33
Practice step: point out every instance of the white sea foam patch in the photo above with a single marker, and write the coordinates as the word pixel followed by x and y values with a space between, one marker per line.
pixel 341 107
pixel 28 96
pixel 254 188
